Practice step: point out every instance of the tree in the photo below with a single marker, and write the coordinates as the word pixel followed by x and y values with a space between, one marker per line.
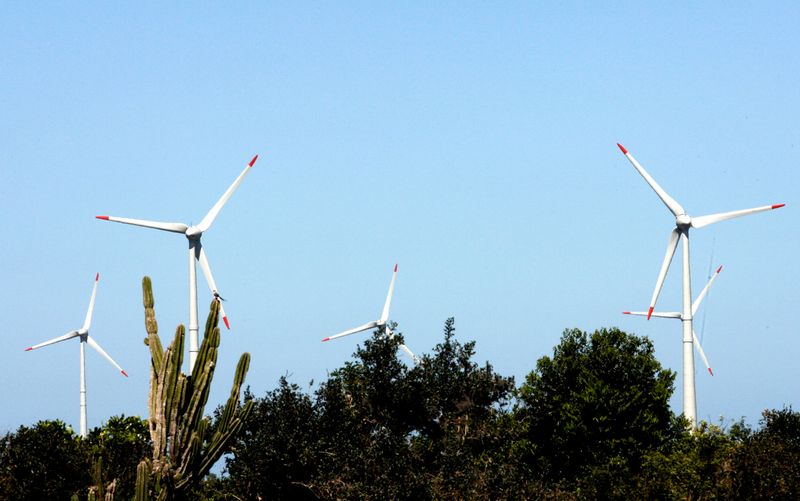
pixel 116 449
pixel 767 465
pixel 691 465
pixel 367 411
pixel 595 408
pixel 275 455
pixel 377 428
pixel 462 439
pixel 46 461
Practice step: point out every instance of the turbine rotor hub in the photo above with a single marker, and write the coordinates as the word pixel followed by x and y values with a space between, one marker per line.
pixel 683 221
pixel 193 233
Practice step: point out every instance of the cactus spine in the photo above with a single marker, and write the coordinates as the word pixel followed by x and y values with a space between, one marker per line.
pixel 183 448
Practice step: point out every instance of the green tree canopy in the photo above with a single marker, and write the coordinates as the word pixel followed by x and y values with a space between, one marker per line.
pixel 591 421
pixel 596 406
pixel 116 449
pixel 767 465
pixel 45 461
pixel 275 455
pixel 377 428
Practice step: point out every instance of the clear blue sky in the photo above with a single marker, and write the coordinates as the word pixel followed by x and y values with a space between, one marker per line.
pixel 474 144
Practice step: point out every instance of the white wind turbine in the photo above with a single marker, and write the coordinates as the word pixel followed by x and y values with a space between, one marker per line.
pixel 683 222
pixel 85 338
pixel 196 253
pixel 677 315
pixel 381 323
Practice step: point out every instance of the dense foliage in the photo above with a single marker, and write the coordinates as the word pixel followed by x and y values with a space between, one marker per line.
pixel 590 421
pixel 50 461
pixel 595 407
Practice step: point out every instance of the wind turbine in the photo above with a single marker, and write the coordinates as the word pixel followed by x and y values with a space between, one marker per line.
pixel 381 323
pixel 683 222
pixel 196 253
pixel 85 338
pixel 677 315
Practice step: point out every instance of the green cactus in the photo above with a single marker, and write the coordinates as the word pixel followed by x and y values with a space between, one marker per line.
pixel 100 489
pixel 142 492
pixel 184 449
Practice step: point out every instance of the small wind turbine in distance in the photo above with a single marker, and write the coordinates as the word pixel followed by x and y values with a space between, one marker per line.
pixel 83 335
pixel 683 222
pixel 196 253
pixel 678 316
pixel 381 323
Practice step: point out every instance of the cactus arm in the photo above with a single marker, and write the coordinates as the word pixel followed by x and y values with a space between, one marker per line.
pixel 142 492
pixel 183 452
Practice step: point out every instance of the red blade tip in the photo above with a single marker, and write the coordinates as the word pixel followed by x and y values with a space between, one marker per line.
pixel 97 277
pixel 326 339
pixel 626 313
pixel 719 269
pixel 102 217
pixel 124 373
pixel 225 319
pixel 710 371
pixel 29 349
pixel 778 206
pixel 624 151
pixel 395 268
pixel 253 161
pixel 649 312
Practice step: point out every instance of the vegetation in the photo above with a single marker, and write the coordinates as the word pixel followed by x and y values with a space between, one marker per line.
pixel 594 408
pixel 50 461
pixel 590 421
pixel 185 446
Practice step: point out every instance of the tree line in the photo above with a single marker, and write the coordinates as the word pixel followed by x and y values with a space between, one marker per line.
pixel 590 421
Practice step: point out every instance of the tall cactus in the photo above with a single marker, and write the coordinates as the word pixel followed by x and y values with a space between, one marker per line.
pixel 183 447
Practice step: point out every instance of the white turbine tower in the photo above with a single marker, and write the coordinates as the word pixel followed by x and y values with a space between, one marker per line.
pixel 381 323
pixel 677 315
pixel 85 338
pixel 683 222
pixel 196 253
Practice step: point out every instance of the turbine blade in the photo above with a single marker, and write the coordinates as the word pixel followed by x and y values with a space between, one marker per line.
pixel 703 293
pixel 701 221
pixel 409 353
pixel 662 314
pixel 173 227
pixel 101 351
pixel 388 333
pixel 68 335
pixel 205 224
pixel 201 257
pixel 388 303
pixel 672 244
pixel 88 320
pixel 370 325
pixel 701 352
pixel 670 202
